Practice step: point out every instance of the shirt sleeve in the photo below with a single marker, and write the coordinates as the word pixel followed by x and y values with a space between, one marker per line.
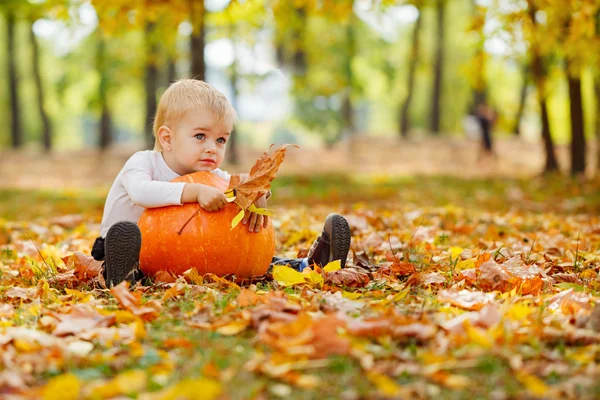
pixel 145 192
pixel 222 174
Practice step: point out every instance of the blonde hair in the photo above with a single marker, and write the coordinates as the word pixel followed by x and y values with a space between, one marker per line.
pixel 187 94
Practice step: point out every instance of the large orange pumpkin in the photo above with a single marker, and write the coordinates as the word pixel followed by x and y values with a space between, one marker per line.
pixel 207 243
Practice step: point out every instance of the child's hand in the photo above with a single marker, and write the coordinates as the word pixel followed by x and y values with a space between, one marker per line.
pixel 211 199
pixel 254 220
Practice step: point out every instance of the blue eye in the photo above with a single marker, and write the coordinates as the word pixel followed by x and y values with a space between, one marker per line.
pixel 221 140
pixel 200 136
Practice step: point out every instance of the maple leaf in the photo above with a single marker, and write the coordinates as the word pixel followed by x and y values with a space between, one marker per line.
pixel 466 299
pixel 347 277
pixel 85 267
pixel 81 318
pixel 132 302
pixel 250 187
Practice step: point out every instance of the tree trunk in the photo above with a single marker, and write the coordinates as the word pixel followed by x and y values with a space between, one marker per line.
pixel 597 93
pixel 347 108
pixel 197 65
pixel 299 53
pixel 551 161
pixel 171 70
pixel 13 82
pixel 151 83
pixel 538 72
pixel 105 130
pixel 537 69
pixel 438 68
pixel 522 100
pixel 37 77
pixel 577 126
pixel 479 90
pixel 414 60
pixel 232 151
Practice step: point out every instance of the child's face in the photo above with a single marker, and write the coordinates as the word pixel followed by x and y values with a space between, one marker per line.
pixel 197 142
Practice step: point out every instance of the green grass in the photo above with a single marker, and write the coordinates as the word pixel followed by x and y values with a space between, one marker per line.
pixel 557 194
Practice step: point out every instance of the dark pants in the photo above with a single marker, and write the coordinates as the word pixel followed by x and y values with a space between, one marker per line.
pixel 98 254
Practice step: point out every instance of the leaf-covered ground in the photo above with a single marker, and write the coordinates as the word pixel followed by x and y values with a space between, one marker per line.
pixel 455 288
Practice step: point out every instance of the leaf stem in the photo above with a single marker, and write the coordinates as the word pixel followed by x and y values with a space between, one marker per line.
pixel 179 232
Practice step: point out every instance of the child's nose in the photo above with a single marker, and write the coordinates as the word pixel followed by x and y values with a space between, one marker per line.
pixel 209 148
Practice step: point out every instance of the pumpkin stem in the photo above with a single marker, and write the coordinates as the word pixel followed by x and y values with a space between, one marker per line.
pixel 188 221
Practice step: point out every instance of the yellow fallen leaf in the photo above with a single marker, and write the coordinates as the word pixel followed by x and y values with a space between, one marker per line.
pixel 192 389
pixel 351 295
pixel 384 384
pixel 478 336
pixel 194 276
pixel 287 276
pixel 129 382
pixel 138 328
pixel 314 277
pixel 333 266
pixel 455 252
pixel 457 381
pixel 261 211
pixel 237 219
pixel 232 328
pixel 79 296
pixel 466 264
pixel 534 385
pixel 518 312
pixel 62 387
pixel 588 274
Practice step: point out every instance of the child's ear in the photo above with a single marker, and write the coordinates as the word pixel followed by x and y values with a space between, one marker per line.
pixel 164 137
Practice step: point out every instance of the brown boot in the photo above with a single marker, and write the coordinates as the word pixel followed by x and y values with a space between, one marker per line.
pixel 333 244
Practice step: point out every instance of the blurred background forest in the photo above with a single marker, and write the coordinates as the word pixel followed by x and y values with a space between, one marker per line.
pixel 81 74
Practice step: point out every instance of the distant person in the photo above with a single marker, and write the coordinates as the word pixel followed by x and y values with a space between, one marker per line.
pixel 486 117
pixel 191 129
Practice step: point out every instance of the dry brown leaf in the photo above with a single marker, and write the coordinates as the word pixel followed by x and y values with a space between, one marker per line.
pixel 494 277
pixel 132 301
pixel 469 300
pixel 432 278
pixel 249 298
pixel 249 187
pixel 347 277
pixel 84 267
pixel 69 221
pixel 565 277
pixel 81 318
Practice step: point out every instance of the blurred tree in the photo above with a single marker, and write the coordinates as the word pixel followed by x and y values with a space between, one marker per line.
pixel 597 114
pixel 526 22
pixel 348 129
pixel 105 128
pixel 150 80
pixel 436 95
pixel 479 79
pixel 197 39
pixel 325 87
pixel 37 77
pixel 535 34
pixel 13 78
pixel 405 124
pixel 522 99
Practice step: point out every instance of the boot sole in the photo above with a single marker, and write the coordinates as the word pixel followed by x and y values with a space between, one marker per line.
pixel 340 239
pixel 122 248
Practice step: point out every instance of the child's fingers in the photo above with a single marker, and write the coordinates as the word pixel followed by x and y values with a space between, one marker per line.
pixel 252 224
pixel 259 222
pixel 265 221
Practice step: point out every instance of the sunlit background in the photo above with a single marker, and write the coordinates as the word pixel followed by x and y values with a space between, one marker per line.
pixel 316 73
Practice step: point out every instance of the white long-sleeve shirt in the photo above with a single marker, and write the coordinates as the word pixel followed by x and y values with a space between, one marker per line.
pixel 142 183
